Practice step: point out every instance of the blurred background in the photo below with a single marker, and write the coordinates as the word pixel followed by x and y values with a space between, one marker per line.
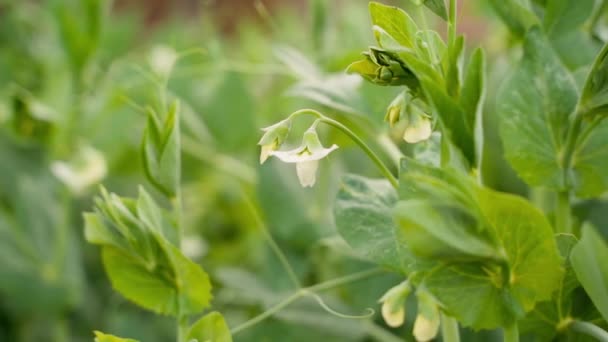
pixel 74 77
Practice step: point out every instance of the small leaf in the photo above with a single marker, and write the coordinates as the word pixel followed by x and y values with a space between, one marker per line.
pixel 438 7
pixel 473 87
pixel 588 259
pixel 452 64
pixel 395 22
pixel 362 212
pixel 211 327
pixel 517 16
pixel 534 106
pixel 593 100
pixel 563 16
pixel 101 337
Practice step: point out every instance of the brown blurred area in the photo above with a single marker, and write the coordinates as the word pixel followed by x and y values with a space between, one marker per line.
pixel 226 13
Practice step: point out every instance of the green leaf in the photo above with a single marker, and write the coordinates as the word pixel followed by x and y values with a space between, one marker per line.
pixel 494 254
pixel 101 337
pixel 363 216
pixel 588 259
pixel 594 99
pixel 563 16
pixel 395 22
pixel 516 15
pixel 473 87
pixel 170 287
pixel 437 7
pixel 452 65
pixel 590 161
pixel 211 327
pixel 534 106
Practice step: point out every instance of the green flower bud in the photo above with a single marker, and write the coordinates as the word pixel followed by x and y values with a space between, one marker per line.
pixel 395 109
pixel 426 326
pixel 393 304
pixel 273 138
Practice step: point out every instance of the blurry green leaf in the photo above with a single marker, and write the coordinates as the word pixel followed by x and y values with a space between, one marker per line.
pixel 363 216
pixel 297 62
pixel 161 150
pixel 101 337
pixel 438 7
pixel 395 22
pixel 430 47
pixel 211 327
pixel 516 15
pixel 562 16
pixel 593 100
pixel 589 262
pixel 534 105
pixel 452 64
pixel 473 87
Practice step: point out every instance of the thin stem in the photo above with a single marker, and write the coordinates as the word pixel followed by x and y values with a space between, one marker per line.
pixel 449 329
pixel 182 328
pixel 452 22
pixel 563 214
pixel 302 293
pixel 511 334
pixel 591 330
pixel 571 141
pixel 273 244
pixel 354 137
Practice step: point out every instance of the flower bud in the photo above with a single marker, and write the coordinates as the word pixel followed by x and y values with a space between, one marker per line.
pixel 273 138
pixel 395 109
pixel 393 304
pixel 426 326
pixel 419 126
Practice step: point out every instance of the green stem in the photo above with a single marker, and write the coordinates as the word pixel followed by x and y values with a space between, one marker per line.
pixel 273 244
pixel 355 138
pixel 563 213
pixel 591 330
pixel 452 22
pixel 511 334
pixel 182 328
pixel 449 329
pixel 569 148
pixel 302 293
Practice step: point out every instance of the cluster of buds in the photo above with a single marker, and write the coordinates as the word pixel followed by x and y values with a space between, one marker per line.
pixel 383 67
pixel 306 156
pixel 414 112
pixel 426 325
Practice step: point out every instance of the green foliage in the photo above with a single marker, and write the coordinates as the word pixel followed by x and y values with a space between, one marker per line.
pixel 101 337
pixel 593 98
pixel 140 259
pixel 588 261
pixel 210 327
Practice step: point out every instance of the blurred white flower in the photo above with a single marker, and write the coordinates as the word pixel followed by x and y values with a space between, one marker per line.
pixel 88 167
pixel 418 129
pixel 393 304
pixel 162 58
pixel 306 157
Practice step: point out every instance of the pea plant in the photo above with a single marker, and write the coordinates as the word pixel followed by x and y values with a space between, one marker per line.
pixel 471 257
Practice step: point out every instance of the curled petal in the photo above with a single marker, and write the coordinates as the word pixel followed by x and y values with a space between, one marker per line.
pixel 393 316
pixel 425 329
pixel 307 172
pixel 418 131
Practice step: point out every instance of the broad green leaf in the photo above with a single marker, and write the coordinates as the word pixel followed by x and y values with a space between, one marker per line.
pixel 594 99
pixel 170 287
pixel 534 106
pixel 101 337
pixel 562 16
pixel 438 7
pixel 211 327
pixel 588 259
pixel 590 161
pixel 395 22
pixel 497 244
pixel 363 216
pixel 516 15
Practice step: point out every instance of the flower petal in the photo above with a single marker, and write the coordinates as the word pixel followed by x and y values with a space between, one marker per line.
pixel 307 172
pixel 419 131
pixel 425 329
pixel 393 316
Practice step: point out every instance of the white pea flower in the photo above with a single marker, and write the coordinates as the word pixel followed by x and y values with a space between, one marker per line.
pixel 393 304
pixel 273 138
pixel 306 157
pixel 162 58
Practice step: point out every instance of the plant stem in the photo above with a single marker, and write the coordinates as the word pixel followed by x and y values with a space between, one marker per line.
pixel 449 329
pixel 591 330
pixel 511 334
pixel 563 214
pixel 302 293
pixel 182 328
pixel 381 166
pixel 273 244
pixel 452 22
